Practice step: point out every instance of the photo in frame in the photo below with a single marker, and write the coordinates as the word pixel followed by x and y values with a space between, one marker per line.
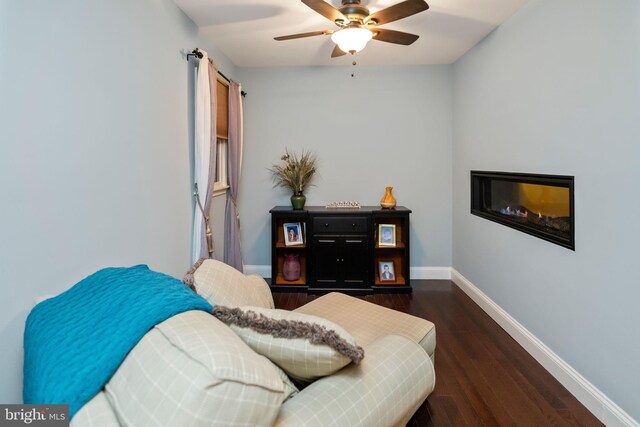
pixel 386 234
pixel 293 234
pixel 386 271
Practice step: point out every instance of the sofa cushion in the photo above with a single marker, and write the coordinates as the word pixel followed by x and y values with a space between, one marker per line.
pixel 290 389
pixel 305 347
pixel 192 370
pixel 368 322
pixel 222 284
pixel 384 390
pixel 96 412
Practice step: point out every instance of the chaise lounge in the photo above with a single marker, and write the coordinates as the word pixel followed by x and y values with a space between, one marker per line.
pixel 194 370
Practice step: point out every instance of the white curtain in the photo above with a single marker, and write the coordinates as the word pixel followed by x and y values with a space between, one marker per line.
pixel 202 152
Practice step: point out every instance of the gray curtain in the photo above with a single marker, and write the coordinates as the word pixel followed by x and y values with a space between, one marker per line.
pixel 232 252
pixel 206 198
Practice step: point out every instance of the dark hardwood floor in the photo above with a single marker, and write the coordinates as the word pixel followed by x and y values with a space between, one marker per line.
pixel 483 376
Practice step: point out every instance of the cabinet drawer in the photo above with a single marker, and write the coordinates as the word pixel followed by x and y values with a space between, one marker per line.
pixel 339 225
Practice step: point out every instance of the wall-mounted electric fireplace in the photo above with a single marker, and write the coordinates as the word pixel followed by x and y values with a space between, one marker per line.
pixel 540 205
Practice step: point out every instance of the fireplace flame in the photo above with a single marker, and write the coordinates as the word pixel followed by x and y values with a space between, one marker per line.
pixel 518 213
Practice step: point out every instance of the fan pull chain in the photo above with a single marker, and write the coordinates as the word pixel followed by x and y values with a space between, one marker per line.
pixel 354 63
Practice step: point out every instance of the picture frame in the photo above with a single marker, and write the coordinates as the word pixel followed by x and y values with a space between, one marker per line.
pixel 386 271
pixel 293 234
pixel 386 234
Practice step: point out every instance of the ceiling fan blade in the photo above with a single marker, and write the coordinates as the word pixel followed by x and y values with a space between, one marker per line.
pixel 326 10
pixel 398 11
pixel 301 35
pixel 391 36
pixel 337 52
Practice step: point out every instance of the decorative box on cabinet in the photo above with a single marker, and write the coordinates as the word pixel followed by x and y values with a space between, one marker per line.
pixel 341 251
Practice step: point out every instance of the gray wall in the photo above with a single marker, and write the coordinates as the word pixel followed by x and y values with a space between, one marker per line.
pixel 387 126
pixel 95 157
pixel 556 89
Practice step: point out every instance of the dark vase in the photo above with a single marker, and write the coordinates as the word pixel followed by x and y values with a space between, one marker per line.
pixel 298 200
pixel 291 267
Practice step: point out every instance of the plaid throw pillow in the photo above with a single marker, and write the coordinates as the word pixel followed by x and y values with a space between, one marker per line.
pixel 306 347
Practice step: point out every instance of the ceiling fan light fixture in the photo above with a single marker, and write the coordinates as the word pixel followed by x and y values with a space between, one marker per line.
pixel 352 39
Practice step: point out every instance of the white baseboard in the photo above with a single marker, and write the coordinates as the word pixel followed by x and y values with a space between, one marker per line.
pixel 443 273
pixel 589 395
pixel 260 270
pixel 434 273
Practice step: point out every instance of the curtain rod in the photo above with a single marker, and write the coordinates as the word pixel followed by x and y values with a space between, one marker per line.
pixel 198 54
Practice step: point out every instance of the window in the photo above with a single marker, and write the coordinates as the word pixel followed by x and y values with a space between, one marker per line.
pixel 222 109
pixel 221 183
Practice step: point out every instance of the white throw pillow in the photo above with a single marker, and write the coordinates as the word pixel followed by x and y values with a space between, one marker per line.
pixel 306 347
pixel 221 284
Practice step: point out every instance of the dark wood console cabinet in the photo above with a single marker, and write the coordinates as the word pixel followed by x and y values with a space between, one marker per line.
pixel 340 250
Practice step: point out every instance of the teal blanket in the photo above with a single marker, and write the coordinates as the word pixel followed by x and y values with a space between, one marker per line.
pixel 74 343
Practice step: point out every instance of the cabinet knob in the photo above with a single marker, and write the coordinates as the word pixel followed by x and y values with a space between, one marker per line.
pixel 353 225
pixel 326 224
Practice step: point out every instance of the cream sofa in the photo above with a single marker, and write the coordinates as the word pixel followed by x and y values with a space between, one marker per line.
pixel 193 370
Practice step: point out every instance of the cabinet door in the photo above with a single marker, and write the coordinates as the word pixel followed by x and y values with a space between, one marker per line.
pixel 326 260
pixel 354 260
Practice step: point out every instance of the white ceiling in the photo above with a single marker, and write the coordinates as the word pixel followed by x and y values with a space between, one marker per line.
pixel 244 31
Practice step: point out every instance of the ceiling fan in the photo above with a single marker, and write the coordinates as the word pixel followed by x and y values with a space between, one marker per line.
pixel 358 26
